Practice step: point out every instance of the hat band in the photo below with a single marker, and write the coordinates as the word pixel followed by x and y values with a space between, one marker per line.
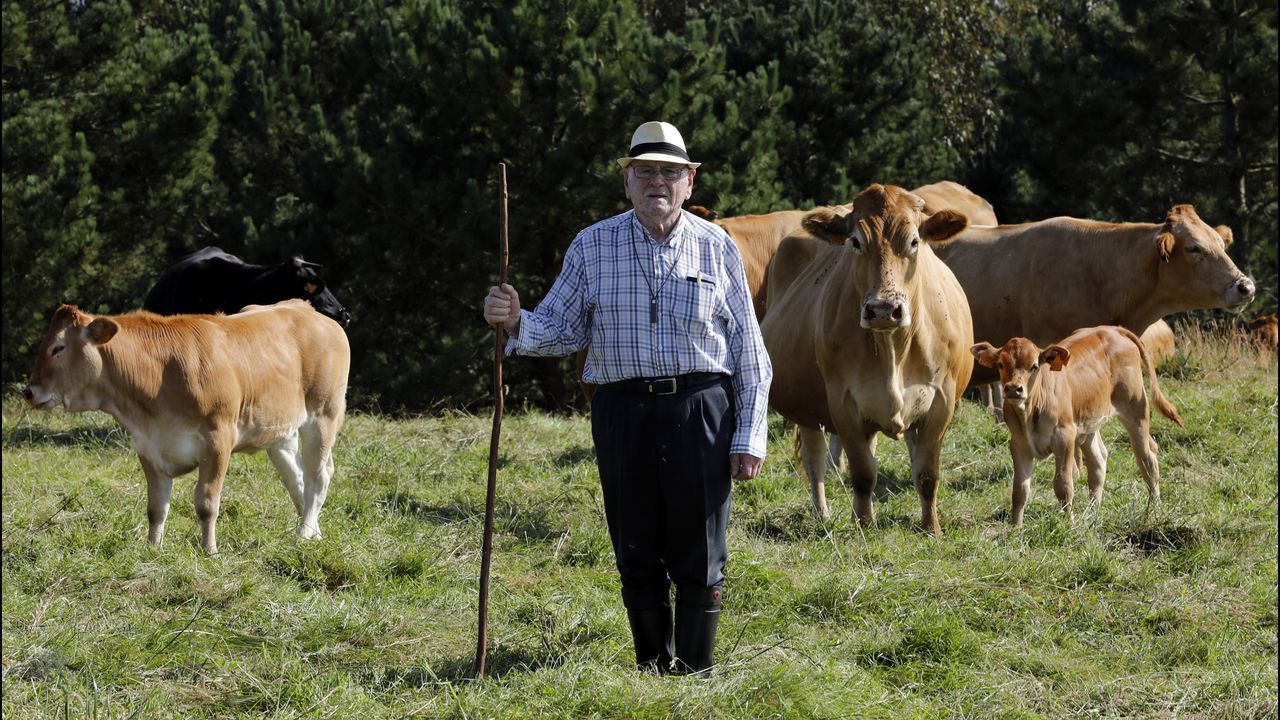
pixel 659 147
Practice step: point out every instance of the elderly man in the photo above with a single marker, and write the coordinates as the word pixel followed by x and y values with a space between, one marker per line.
pixel 660 298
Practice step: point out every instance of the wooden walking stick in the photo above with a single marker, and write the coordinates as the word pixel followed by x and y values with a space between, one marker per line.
pixel 482 639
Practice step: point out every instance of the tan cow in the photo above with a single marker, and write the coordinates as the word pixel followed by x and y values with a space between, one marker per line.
pixel 192 389
pixel 1057 399
pixel 1158 340
pixel 1043 280
pixel 1263 332
pixel 871 336
pixel 948 195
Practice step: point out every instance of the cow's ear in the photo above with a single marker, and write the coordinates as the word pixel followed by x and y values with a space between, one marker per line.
pixel 827 224
pixel 1057 357
pixel 943 225
pixel 1225 233
pixel 101 330
pixel 1165 243
pixel 985 353
pixel 66 313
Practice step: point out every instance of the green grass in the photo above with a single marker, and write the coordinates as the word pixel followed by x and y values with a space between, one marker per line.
pixel 1129 612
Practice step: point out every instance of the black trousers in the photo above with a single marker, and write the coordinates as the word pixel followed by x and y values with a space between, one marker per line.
pixel 664 472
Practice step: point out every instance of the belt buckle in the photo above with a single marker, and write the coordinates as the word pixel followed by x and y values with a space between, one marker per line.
pixel 659 386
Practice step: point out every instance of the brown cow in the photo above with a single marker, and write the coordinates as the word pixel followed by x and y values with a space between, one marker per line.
pixel 192 389
pixel 1091 375
pixel 1263 332
pixel 1043 280
pixel 871 336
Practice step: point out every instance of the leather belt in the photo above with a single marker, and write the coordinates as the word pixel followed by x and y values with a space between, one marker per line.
pixel 666 385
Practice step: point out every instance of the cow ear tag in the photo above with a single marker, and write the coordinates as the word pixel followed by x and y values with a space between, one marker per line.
pixel 310 288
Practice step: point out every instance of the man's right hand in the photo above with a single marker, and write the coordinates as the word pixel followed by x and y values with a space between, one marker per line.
pixel 502 306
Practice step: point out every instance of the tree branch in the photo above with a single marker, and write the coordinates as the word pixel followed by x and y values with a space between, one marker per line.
pixel 1201 100
pixel 1185 158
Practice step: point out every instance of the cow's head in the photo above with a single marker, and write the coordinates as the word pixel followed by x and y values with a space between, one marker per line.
pixel 884 230
pixel 1194 264
pixel 312 288
pixel 69 360
pixel 1020 363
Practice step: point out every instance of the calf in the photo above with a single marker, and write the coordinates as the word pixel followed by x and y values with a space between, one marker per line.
pixel 1263 332
pixel 192 389
pixel 210 280
pixel 1056 400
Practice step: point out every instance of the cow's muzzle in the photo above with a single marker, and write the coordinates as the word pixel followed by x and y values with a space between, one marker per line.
pixel 1015 392
pixel 888 313
pixel 1240 294
pixel 30 396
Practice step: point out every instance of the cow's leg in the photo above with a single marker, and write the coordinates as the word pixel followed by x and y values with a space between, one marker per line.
pixel 835 453
pixel 813 453
pixel 208 493
pixel 1064 456
pixel 1138 423
pixel 1095 463
pixel 159 491
pixel 1023 466
pixel 986 391
pixel 924 475
pixel 285 458
pixel 317 438
pixel 924 443
pixel 861 454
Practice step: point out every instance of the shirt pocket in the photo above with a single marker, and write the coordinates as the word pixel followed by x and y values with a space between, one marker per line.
pixel 697 297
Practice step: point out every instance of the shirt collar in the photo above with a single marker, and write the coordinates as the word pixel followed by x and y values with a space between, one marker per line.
pixel 672 238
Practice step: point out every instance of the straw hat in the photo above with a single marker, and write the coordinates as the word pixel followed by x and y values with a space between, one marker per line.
pixel 657 141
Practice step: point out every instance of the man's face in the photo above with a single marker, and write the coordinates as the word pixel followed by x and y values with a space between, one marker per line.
pixel 658 189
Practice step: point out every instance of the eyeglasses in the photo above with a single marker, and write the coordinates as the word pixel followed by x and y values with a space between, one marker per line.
pixel 648 172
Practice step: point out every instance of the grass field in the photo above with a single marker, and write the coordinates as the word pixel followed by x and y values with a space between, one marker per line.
pixel 1128 612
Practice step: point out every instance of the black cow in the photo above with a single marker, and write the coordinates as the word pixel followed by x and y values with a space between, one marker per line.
pixel 211 281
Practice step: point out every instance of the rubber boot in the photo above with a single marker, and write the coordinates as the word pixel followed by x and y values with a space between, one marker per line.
pixel 697 615
pixel 651 632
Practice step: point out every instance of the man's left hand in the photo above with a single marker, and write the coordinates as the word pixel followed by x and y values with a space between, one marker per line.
pixel 743 466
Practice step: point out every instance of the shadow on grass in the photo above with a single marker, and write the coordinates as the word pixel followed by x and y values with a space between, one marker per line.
pixel 977 479
pixel 576 455
pixel 890 483
pixel 796 525
pixel 498 662
pixel 1154 540
pixel 90 437
pixel 530 522
pixel 405 504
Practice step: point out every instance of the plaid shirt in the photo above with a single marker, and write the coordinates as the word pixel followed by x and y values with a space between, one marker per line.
pixel 614 273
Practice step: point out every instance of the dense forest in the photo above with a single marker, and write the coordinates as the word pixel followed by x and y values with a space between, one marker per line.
pixel 366 136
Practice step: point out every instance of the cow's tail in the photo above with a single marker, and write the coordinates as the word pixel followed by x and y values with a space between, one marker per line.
pixel 1162 403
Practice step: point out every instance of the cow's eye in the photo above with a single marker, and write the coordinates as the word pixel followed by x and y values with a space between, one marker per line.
pixel 855 240
pixel 914 244
pixel 57 350
pixel 1193 250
